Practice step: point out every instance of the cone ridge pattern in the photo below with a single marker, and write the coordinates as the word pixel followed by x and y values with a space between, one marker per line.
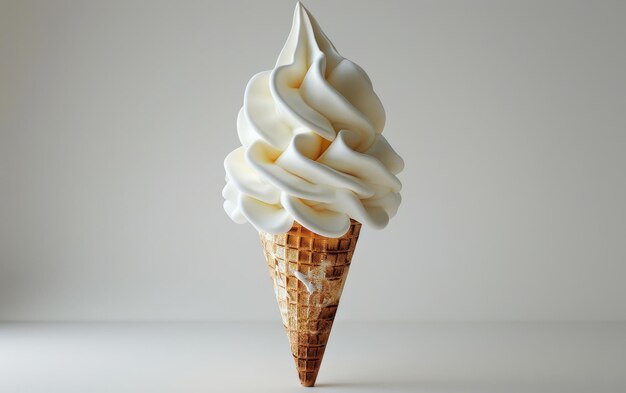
pixel 308 272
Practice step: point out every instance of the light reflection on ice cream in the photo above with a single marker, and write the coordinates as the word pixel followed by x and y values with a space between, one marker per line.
pixel 312 149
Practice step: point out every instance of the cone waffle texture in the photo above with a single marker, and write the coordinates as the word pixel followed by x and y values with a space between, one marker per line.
pixel 308 272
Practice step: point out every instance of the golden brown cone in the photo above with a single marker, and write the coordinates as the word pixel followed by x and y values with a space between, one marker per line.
pixel 308 272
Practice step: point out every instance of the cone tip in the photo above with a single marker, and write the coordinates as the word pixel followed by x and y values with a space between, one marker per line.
pixel 308 383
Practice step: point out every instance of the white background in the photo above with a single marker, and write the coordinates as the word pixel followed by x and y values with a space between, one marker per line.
pixel 115 118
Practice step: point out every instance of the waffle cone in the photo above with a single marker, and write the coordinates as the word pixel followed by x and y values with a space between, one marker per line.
pixel 308 272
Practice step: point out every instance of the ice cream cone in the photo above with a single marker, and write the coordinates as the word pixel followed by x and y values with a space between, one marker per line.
pixel 308 272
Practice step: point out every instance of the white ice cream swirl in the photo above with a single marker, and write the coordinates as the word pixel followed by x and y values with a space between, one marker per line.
pixel 312 145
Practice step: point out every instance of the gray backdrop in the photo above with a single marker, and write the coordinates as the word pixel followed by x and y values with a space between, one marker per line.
pixel 115 118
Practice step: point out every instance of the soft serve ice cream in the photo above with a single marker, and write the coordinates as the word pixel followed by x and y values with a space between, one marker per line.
pixel 312 149
pixel 313 167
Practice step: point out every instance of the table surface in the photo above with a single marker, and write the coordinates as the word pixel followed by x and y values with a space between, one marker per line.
pixel 361 356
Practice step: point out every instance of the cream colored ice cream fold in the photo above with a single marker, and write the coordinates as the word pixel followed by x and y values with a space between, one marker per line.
pixel 312 149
